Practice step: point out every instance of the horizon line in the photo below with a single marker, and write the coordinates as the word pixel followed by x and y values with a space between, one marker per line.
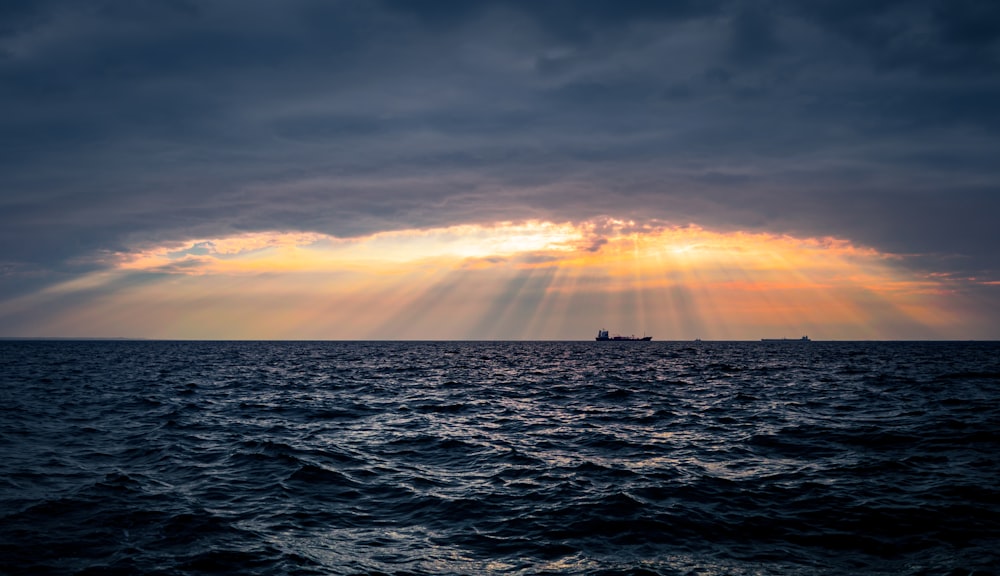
pixel 691 340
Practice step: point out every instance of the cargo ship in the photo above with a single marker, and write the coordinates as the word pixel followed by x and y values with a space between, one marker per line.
pixel 602 336
pixel 803 339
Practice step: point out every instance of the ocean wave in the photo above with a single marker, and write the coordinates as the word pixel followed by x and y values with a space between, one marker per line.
pixel 513 458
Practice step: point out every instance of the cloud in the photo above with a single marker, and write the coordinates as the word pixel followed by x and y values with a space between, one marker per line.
pixel 134 124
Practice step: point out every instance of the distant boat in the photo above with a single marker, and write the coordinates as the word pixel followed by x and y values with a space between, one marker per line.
pixel 602 336
pixel 803 339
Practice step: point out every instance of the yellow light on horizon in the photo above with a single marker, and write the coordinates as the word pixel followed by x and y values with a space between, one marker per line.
pixel 506 280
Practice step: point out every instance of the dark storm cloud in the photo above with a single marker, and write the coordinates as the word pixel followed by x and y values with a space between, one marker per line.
pixel 131 123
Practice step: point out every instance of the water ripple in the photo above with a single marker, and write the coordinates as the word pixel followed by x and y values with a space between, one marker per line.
pixel 513 458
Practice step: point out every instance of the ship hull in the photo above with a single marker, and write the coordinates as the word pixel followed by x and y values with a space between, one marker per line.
pixel 604 336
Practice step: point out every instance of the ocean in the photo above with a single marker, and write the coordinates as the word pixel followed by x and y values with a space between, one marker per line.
pixel 671 458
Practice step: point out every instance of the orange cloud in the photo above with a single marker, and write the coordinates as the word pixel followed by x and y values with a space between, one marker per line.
pixel 509 280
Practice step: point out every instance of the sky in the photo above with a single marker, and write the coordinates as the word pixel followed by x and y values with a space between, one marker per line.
pixel 500 169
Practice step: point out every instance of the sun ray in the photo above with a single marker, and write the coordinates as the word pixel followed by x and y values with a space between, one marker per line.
pixel 506 280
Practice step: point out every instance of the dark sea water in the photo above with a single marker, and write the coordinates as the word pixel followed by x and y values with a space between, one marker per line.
pixel 499 458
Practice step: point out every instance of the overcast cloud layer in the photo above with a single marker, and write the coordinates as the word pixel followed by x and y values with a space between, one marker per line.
pixel 134 122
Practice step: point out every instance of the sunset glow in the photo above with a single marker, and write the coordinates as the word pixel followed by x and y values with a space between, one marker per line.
pixel 528 280
pixel 499 170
